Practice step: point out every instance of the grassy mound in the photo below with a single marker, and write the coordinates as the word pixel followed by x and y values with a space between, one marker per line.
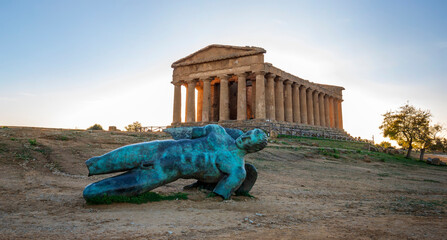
pixel 343 150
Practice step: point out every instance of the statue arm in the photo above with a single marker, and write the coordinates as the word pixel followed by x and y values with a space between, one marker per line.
pixel 198 132
pixel 180 132
pixel 234 176
pixel 234 133
pixel 195 132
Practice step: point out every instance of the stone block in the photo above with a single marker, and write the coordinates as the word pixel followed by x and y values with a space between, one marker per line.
pixel 273 134
pixel 435 161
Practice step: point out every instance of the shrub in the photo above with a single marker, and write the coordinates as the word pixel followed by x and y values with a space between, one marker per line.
pixel 385 144
pixel 95 127
pixel 62 138
pixel 32 142
pixel 134 127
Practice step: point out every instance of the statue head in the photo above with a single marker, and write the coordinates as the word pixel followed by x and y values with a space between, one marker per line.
pixel 252 141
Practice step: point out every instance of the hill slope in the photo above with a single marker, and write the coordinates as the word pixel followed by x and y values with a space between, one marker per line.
pixel 306 188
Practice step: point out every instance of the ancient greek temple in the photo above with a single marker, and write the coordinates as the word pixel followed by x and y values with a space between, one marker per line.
pixel 236 88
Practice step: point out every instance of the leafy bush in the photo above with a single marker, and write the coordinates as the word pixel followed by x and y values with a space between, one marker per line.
pixel 95 127
pixel 63 138
pixel 32 142
pixel 134 127
pixel 385 144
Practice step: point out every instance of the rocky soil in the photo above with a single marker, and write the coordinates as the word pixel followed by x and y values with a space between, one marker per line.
pixel 304 191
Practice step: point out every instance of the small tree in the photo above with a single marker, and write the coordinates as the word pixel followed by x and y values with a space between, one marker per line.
pixel 134 127
pixel 439 145
pixel 404 125
pixel 385 144
pixel 95 127
pixel 444 145
pixel 427 137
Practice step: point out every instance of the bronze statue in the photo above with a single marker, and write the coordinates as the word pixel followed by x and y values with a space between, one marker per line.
pixel 211 154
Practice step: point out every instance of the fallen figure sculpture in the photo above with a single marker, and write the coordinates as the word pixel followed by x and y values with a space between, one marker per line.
pixel 211 154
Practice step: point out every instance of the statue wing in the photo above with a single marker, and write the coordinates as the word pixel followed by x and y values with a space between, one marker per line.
pixel 187 132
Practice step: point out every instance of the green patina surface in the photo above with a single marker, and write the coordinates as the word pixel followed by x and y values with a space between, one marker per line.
pixel 210 154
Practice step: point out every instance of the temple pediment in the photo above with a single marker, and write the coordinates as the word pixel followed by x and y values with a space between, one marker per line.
pixel 217 52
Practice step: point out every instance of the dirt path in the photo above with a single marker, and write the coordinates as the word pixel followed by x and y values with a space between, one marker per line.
pixel 299 195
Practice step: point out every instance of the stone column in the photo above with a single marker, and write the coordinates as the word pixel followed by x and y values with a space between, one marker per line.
pixel 303 105
pixel 206 106
pixel 224 108
pixel 241 97
pixel 336 114
pixel 331 112
pixel 296 103
pixel 199 103
pixel 253 97
pixel 270 97
pixel 327 112
pixel 310 107
pixel 288 101
pixel 279 99
pixel 260 95
pixel 339 115
pixel 316 108
pixel 177 114
pixel 190 101
pixel 321 106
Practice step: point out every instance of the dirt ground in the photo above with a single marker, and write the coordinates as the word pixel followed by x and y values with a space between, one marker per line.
pixel 300 194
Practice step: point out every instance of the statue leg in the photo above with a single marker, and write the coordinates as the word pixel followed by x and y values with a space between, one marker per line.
pixel 124 158
pixel 131 183
pixel 247 185
pixel 250 179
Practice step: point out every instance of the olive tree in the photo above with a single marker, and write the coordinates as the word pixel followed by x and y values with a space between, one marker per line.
pixel 404 125
pixel 427 137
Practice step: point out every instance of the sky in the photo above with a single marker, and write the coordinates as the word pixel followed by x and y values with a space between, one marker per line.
pixel 71 64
